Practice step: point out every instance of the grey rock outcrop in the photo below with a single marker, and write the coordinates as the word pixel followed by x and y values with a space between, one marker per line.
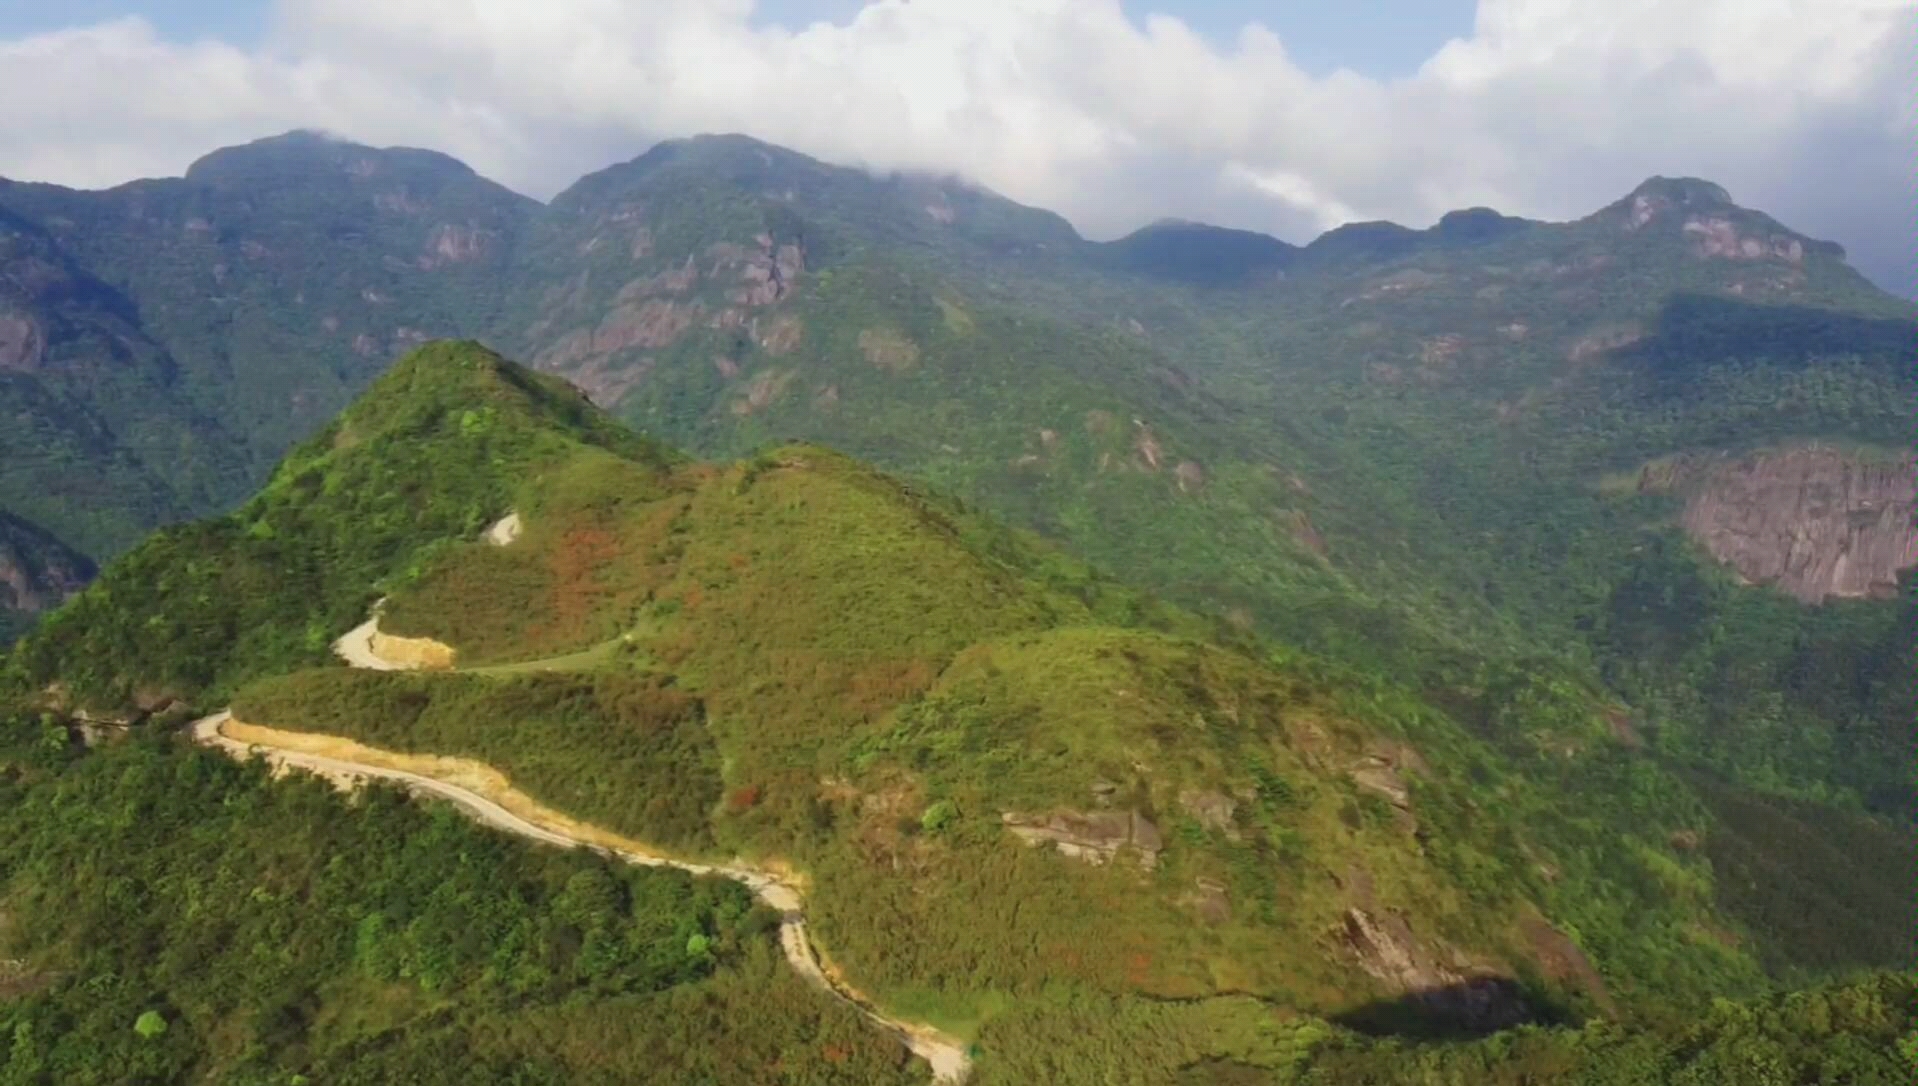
pixel 1815 522
pixel 37 571
pixel 1095 837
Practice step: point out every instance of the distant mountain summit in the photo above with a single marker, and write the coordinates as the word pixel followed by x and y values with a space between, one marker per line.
pixel 1325 443
pixel 1201 254
pixel 301 155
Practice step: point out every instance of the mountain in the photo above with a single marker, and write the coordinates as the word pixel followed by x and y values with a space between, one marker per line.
pixel 430 452
pixel 1019 793
pixel 172 338
pixel 1657 452
pixel 1404 450
pixel 1200 254
pixel 105 441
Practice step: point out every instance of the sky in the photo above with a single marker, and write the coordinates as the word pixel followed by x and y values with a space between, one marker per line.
pixel 1289 116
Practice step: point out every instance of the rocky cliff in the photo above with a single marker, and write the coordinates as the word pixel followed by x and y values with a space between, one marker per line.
pixel 37 571
pixel 1814 521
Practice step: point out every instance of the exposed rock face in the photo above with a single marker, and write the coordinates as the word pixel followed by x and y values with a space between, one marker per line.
pixel 1385 947
pixel 21 344
pixel 1813 521
pixel 1208 898
pixel 1146 444
pixel 1190 475
pixel 766 388
pixel 1561 959
pixel 781 335
pixel 37 571
pixel 651 324
pixel 1213 810
pixel 1382 771
pixel 1720 238
pixel 766 276
pixel 1304 532
pixel 455 244
pixel 1602 340
pixel 605 382
pixel 1095 838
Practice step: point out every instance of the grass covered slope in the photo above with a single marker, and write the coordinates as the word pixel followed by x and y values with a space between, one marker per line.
pixel 261 932
pixel 654 771
pixel 1386 447
pixel 802 659
pixel 434 451
pixel 1009 782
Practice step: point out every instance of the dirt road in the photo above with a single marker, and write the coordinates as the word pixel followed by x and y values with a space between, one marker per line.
pixel 356 648
pixel 946 1055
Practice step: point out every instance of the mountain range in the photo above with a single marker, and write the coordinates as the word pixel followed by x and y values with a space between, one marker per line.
pixel 1492 439
pixel 1421 631
pixel 1016 791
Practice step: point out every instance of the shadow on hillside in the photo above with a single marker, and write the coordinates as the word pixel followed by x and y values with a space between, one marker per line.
pixel 1696 330
pixel 1469 1009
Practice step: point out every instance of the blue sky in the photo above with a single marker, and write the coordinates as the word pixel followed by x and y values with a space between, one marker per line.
pixel 1379 38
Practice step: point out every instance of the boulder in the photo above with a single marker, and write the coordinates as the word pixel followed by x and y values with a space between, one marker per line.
pixel 1094 837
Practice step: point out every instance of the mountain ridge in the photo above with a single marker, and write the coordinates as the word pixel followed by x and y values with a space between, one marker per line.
pixel 1389 460
pixel 994 763
pixel 298 149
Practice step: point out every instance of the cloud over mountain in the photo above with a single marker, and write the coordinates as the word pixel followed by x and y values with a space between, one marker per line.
pixel 1552 106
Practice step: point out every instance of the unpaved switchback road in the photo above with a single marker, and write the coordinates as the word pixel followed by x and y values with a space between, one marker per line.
pixel 946 1055
pixel 356 648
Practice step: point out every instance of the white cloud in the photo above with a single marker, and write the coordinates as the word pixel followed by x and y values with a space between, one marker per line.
pixel 1550 108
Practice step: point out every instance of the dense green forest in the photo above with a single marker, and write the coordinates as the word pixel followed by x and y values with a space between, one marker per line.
pixel 1859 1033
pixel 1355 585
pixel 169 915
pixel 1390 446
pixel 801 659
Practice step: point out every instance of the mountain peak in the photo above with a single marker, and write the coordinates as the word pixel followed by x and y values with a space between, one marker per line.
pixel 1477 226
pixel 459 374
pixel 1690 192
pixel 1201 253
pixel 1362 241
pixel 726 151
pixel 306 152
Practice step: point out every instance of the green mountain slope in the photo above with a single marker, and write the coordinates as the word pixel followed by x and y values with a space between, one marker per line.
pixel 1013 787
pixel 103 441
pixel 251 931
pixel 316 937
pixel 1399 447
pixel 432 452
pixel 1492 446
pixel 200 326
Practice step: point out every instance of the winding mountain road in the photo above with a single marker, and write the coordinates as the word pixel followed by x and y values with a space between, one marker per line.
pixel 947 1055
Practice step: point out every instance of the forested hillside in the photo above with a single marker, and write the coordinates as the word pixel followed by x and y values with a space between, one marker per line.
pixel 1013 786
pixel 1194 657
